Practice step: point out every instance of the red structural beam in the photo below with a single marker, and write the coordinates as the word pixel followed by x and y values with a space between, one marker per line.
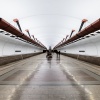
pixel 11 29
pixel 89 29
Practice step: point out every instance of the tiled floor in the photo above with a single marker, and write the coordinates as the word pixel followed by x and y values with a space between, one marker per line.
pixel 38 78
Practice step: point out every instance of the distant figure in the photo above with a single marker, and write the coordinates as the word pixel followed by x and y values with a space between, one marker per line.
pixel 59 54
pixel 49 54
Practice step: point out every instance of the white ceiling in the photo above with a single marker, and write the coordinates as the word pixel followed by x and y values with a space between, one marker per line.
pixel 50 20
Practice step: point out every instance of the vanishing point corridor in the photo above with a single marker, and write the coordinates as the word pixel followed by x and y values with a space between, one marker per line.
pixel 49 50
pixel 59 78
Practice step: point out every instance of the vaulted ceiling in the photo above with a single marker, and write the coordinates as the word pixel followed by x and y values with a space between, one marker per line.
pixel 50 20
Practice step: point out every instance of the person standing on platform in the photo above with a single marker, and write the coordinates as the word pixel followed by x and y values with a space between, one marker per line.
pixel 59 54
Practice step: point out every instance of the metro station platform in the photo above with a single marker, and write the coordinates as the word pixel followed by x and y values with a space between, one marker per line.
pixel 39 78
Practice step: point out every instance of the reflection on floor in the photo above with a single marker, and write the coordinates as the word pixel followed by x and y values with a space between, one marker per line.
pixel 38 78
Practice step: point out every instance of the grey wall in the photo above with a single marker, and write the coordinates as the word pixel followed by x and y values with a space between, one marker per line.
pixel 87 49
pixel 9 59
pixel 12 49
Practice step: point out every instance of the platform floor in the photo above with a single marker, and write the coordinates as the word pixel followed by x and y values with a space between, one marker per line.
pixel 38 78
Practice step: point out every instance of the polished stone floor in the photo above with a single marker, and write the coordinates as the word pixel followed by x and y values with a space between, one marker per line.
pixel 38 78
